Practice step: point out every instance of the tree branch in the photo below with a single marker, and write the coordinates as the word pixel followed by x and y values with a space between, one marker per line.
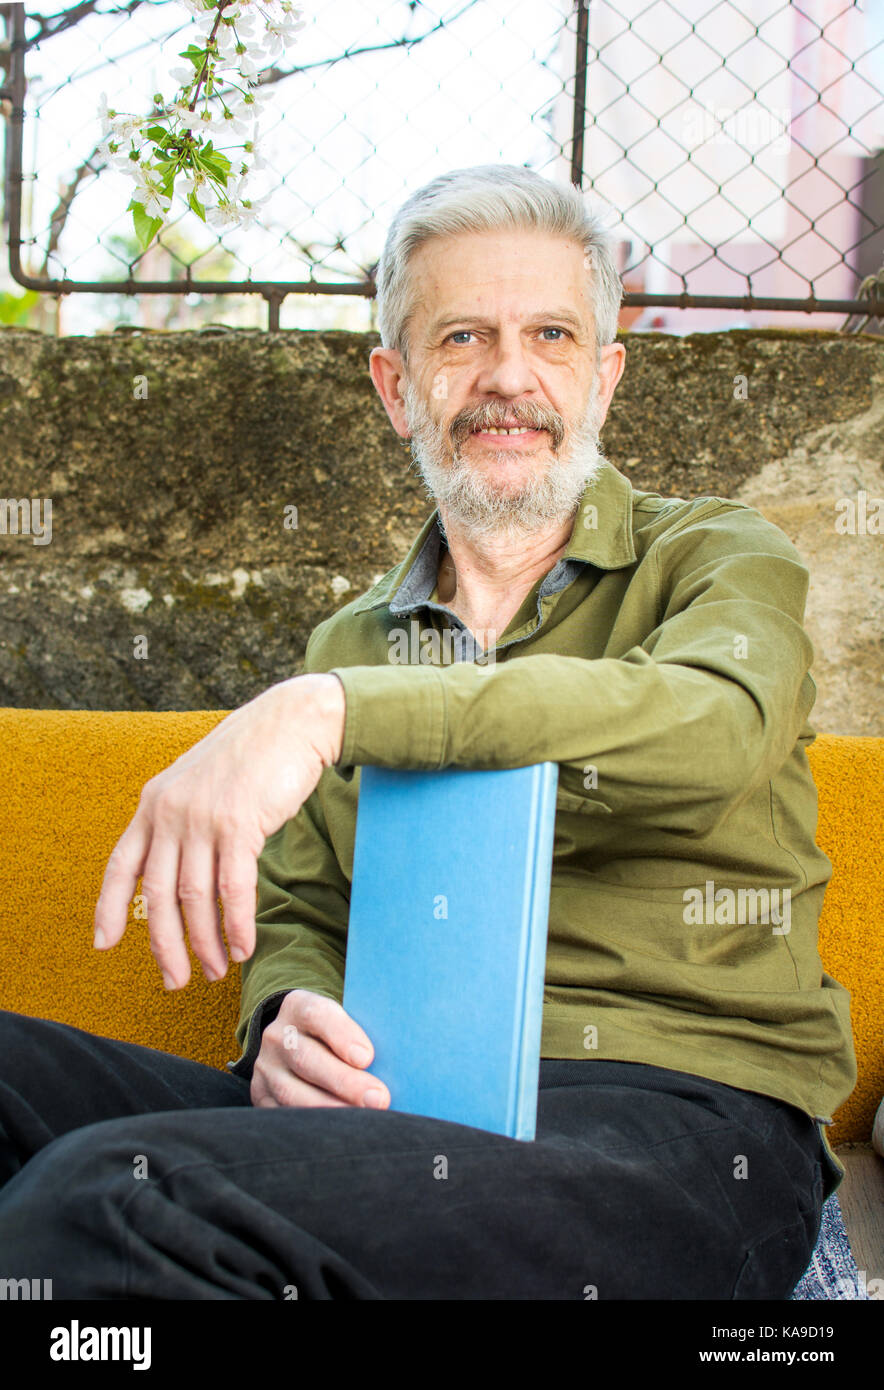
pixel 271 75
pixel 51 25
pixel 68 18
pixel 63 207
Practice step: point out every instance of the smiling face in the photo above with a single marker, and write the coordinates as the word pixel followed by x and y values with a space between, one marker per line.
pixel 501 338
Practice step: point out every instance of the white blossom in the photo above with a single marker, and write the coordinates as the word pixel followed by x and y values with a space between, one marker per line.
pixel 245 24
pixel 226 214
pixel 250 207
pixel 197 181
pixel 226 41
pixel 186 119
pixel 202 121
pixel 116 155
pixel 215 123
pixel 124 127
pixel 205 22
pixel 245 112
pixel 194 181
pixel 279 32
pixel 247 36
pixel 130 167
pixel 104 114
pixel 155 203
pixel 259 97
pixel 250 210
pixel 256 161
pixel 250 64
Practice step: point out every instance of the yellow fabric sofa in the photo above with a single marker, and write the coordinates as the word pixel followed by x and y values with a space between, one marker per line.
pixel 70 782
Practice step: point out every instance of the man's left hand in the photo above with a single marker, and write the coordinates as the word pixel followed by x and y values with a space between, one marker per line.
pixel 201 825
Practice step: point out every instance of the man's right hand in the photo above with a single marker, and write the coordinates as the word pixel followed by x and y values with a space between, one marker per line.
pixel 306 1058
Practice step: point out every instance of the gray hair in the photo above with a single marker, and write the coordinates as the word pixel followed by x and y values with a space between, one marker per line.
pixel 492 197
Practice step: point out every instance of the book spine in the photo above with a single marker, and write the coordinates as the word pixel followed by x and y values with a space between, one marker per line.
pixel 535 924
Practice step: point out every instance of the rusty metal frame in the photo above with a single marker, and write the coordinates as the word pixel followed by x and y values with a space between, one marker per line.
pixel 275 291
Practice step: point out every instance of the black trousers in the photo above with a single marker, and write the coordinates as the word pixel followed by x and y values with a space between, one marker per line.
pixel 127 1173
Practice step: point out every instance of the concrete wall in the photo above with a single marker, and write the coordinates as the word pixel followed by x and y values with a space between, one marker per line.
pixel 170 460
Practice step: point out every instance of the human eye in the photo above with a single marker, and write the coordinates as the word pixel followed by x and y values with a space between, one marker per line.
pixel 460 333
pixel 554 329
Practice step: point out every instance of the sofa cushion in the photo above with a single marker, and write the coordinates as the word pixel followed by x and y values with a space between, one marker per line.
pixel 71 780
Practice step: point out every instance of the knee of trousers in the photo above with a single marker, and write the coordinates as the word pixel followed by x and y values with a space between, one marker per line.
pixel 68 1202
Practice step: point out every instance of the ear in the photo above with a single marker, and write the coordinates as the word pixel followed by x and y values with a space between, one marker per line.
pixel 387 372
pixel 611 370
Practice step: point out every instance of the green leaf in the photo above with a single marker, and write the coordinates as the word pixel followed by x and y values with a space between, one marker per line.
pixel 217 164
pixel 157 132
pixel 197 206
pixel 15 308
pixel 145 227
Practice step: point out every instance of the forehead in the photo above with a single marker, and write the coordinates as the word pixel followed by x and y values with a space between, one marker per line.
pixel 509 274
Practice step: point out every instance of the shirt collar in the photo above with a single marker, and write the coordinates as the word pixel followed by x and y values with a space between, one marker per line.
pixel 601 536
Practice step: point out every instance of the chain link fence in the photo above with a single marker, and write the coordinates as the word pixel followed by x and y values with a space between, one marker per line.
pixel 736 146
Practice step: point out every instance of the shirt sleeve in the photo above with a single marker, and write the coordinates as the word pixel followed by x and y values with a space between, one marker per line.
pixel 701 707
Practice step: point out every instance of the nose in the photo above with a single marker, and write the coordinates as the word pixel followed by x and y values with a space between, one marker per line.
pixel 506 369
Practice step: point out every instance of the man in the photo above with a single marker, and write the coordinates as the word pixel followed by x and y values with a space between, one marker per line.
pixel 692 1045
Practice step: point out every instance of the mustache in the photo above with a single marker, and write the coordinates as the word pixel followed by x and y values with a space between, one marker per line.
pixel 497 414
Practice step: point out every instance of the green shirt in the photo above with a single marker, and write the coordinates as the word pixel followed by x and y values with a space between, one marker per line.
pixel 662 663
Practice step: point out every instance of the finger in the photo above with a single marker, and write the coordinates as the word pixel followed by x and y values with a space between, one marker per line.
pixel 258 1091
pixel 262 1096
pixel 160 885
pixel 327 1019
pixel 237 887
pixel 197 896
pixel 120 881
pixel 284 1089
pixel 314 1063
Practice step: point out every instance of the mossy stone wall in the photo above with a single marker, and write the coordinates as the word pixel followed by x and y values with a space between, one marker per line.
pixel 173 462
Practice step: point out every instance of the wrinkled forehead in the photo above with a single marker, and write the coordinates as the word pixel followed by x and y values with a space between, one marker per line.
pixel 510 275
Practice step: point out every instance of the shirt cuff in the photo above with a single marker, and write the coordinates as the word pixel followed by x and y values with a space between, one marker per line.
pixel 395 717
pixel 262 1016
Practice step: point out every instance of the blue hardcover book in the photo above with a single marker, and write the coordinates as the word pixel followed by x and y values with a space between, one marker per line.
pixel 446 943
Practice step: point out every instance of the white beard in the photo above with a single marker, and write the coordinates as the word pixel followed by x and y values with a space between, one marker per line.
pixel 478 508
